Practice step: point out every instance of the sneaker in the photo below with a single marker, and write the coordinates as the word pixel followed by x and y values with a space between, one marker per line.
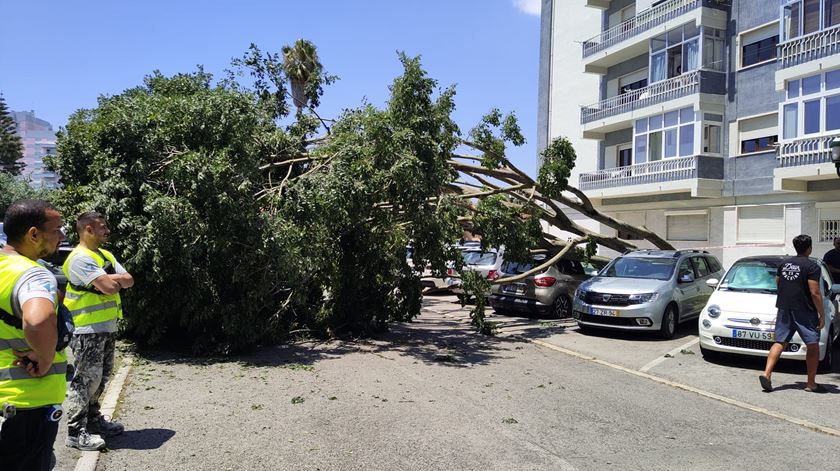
pixel 85 441
pixel 105 427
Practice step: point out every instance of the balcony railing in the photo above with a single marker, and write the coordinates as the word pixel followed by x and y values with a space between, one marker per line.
pixel 666 170
pixel 640 23
pixel 659 92
pixel 807 48
pixel 808 151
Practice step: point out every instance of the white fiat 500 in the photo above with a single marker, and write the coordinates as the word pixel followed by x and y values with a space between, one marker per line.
pixel 740 316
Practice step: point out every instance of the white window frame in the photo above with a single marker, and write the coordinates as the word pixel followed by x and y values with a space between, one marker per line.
pixel 739 139
pixel 738 238
pixel 822 95
pixel 739 51
pixel 698 135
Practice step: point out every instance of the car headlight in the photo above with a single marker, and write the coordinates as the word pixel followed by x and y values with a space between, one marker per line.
pixel 642 298
pixel 713 311
pixel 580 294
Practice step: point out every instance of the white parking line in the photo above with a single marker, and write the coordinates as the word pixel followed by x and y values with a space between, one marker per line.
pixel 733 402
pixel 670 354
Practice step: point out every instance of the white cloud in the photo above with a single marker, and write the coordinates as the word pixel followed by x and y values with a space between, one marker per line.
pixel 531 7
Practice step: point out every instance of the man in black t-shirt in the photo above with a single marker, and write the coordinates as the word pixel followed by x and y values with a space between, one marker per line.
pixel 801 309
pixel 832 259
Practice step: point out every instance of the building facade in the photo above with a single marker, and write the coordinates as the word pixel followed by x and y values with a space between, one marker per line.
pixel 39 141
pixel 712 119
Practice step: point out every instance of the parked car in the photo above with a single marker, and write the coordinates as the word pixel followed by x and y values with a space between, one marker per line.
pixel 488 262
pixel 547 293
pixel 647 290
pixel 2 236
pixel 740 316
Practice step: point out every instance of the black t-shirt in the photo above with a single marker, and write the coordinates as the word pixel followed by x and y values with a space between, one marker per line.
pixel 794 292
pixel 832 257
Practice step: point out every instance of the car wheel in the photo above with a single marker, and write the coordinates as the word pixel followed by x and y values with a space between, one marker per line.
pixel 669 322
pixel 827 362
pixel 709 355
pixel 562 307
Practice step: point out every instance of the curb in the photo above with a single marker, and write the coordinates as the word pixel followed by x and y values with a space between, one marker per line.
pixel 89 459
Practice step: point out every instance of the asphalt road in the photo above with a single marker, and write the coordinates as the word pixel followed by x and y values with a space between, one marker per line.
pixel 433 395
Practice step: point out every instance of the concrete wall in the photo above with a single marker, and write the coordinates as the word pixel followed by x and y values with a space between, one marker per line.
pixel 564 87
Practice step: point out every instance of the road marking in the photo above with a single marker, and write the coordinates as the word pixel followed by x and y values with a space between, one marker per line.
pixel 710 395
pixel 670 354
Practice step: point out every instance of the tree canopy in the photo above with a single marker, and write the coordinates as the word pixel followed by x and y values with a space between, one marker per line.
pixel 242 222
pixel 11 147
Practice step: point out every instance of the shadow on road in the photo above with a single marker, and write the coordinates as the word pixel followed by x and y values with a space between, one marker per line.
pixel 145 439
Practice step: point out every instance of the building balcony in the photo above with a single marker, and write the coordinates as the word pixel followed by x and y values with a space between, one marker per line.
pixel 803 161
pixel 699 175
pixel 630 38
pixel 809 47
pixel 703 89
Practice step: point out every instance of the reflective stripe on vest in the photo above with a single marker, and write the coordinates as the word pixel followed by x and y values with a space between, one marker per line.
pixel 89 308
pixel 16 372
pixel 16 385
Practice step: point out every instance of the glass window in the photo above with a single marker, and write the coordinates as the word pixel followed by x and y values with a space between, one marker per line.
pixel 812 116
pixel 700 266
pixel 832 113
pixel 691 56
pixel 655 146
pixel 686 269
pixel 655 122
pixel 811 85
pixel 625 157
pixel 792 20
pixel 831 16
pixel 641 149
pixel 790 118
pixel 687 140
pixel 759 51
pixel 675 36
pixel 832 79
pixel 793 88
pixel 657 43
pixel 759 144
pixel 711 138
pixel 670 142
pixel 641 125
pixel 713 117
pixel 811 16
pixel 658 70
pixel 671 118
pixel 691 30
pixel 686 115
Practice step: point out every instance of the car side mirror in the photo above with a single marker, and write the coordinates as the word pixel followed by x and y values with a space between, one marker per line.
pixel 687 278
pixel 712 282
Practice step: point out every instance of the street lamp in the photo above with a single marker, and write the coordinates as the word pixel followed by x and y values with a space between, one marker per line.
pixel 834 146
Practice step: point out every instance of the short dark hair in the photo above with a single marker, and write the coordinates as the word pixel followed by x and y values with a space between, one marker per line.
pixel 802 243
pixel 87 218
pixel 23 215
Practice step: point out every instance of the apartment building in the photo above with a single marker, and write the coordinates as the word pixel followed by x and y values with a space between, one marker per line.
pixel 712 119
pixel 39 141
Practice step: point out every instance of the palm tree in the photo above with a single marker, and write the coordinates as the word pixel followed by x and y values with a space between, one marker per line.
pixel 300 63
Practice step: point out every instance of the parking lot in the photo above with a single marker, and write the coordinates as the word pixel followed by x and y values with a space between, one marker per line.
pixel 678 362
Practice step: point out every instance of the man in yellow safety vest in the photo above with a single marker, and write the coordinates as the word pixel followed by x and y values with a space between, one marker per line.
pixel 94 282
pixel 32 372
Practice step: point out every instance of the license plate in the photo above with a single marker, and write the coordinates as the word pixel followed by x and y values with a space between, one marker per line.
pixel 753 335
pixel 513 289
pixel 603 312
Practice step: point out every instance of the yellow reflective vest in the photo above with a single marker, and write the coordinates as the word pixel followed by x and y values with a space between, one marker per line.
pixel 89 307
pixel 16 385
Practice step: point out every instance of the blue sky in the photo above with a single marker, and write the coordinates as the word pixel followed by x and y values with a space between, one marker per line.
pixel 57 57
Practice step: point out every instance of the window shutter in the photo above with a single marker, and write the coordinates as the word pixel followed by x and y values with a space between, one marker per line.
pixel 688 227
pixel 761 224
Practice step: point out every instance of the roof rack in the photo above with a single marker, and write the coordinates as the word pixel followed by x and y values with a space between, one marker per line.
pixel 684 251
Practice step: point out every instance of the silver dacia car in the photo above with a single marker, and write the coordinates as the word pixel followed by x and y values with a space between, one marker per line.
pixel 647 290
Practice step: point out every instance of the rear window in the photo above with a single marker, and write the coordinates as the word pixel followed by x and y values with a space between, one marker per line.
pixel 515 268
pixel 571 267
pixel 479 258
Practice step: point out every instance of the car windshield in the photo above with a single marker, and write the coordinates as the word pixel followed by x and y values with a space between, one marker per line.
pixel 592 268
pixel 753 276
pixel 654 268
pixel 479 258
